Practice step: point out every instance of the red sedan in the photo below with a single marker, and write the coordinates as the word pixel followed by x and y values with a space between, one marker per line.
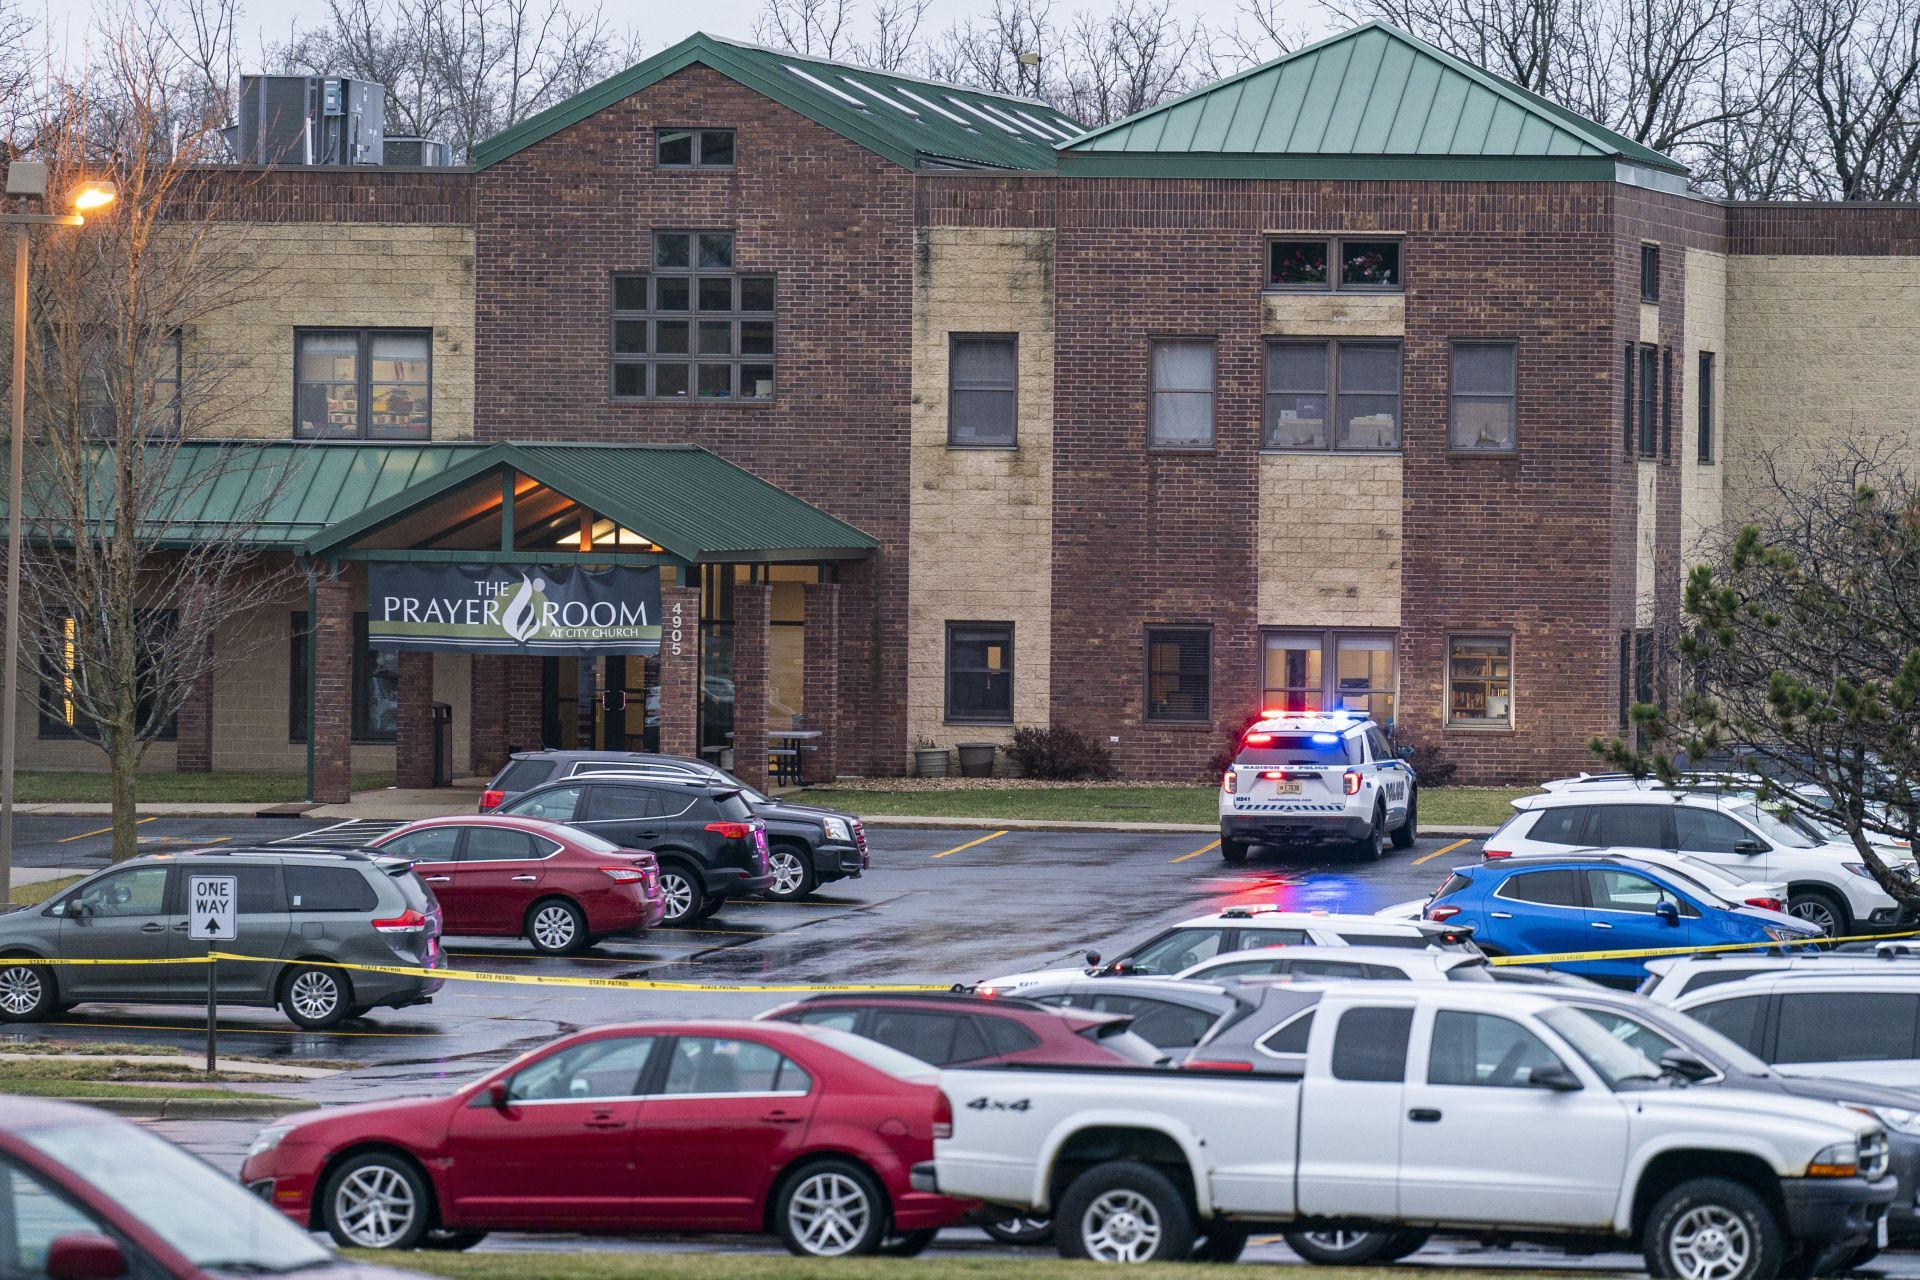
pixel 663 1126
pixel 560 888
pixel 948 1030
pixel 86 1196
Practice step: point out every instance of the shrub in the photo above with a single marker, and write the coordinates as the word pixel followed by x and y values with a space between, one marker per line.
pixel 1222 758
pixel 1430 766
pixel 1059 754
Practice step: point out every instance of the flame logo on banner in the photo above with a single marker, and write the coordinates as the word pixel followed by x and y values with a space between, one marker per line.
pixel 521 617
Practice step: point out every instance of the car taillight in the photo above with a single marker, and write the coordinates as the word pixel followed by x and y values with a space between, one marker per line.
pixel 1274 775
pixel 1442 913
pixel 1496 853
pixel 987 993
pixel 1229 782
pixel 1258 740
pixel 623 875
pixel 942 1115
pixel 408 921
pixel 1771 904
pixel 1206 1064
pixel 731 830
pixel 1352 779
pixel 490 800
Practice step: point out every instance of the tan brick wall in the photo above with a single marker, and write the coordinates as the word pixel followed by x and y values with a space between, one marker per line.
pixel 1340 567
pixel 1701 504
pixel 326 274
pixel 1333 315
pixel 981 519
pixel 1820 352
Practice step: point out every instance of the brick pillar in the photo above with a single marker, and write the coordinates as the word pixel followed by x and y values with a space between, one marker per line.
pixel 822 681
pixel 332 720
pixel 193 723
pixel 487 714
pixel 679 671
pixel 522 695
pixel 752 617
pixel 413 722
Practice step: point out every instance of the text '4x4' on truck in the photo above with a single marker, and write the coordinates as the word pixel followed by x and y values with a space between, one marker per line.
pixel 1499 1113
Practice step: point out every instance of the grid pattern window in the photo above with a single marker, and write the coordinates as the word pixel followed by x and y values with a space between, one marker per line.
pixel 1481 419
pixel 1315 264
pixel 982 375
pixel 61 712
pixel 692 328
pixel 1649 273
pixel 1361 675
pixel 1180 674
pixel 376 685
pixel 980 672
pixel 1649 401
pixel 1480 682
pixel 1705 443
pixel 693 149
pixel 1358 381
pixel 363 384
pixel 1180 409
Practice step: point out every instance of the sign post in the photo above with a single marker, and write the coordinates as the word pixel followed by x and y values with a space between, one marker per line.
pixel 213 918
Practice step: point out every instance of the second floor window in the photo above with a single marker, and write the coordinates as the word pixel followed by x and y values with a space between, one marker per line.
pixel 694 149
pixel 1649 273
pixel 1359 381
pixel 692 328
pixel 1483 397
pixel 981 371
pixel 1706 407
pixel 1312 265
pixel 363 384
pixel 1180 407
pixel 1649 401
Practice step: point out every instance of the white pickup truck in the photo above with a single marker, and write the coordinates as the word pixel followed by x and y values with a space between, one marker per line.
pixel 1492 1111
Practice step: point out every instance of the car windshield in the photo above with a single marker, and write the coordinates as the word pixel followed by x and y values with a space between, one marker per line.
pixel 1323 749
pixel 215 1223
pixel 1778 830
pixel 1184 948
pixel 1717 879
pixel 1620 1064
pixel 900 1066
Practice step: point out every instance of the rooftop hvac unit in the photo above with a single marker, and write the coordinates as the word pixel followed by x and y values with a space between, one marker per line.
pixel 310 120
pixel 421 153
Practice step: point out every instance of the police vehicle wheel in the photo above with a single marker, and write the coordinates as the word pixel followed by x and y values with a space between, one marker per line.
pixel 1233 850
pixel 1408 832
pixel 1373 846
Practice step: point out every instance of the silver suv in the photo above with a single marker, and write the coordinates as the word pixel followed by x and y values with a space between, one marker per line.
pixel 297 906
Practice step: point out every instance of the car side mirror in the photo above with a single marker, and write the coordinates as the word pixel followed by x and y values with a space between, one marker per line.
pixel 497 1095
pixel 85 1255
pixel 1749 846
pixel 1404 753
pixel 1093 958
pixel 1667 911
pixel 1555 1077
pixel 1683 1064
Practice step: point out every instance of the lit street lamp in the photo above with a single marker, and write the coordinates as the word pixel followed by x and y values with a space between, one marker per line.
pixel 26 180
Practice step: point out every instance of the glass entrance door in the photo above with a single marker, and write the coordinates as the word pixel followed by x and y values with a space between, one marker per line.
pixel 629 704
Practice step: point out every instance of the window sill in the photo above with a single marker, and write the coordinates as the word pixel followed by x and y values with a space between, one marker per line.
pixel 1313 290
pixel 1187 450
pixel 1281 451
pixel 1012 447
pixel 737 402
pixel 1179 726
pixel 1467 726
pixel 978 724
pixel 1495 455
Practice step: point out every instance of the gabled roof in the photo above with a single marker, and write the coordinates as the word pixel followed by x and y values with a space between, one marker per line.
pixel 696 506
pixel 915 123
pixel 1371 102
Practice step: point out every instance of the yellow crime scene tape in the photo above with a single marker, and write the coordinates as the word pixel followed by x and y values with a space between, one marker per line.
pixel 1565 957
pixel 521 979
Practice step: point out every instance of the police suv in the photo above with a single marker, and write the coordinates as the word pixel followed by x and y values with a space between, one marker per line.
pixel 1317 778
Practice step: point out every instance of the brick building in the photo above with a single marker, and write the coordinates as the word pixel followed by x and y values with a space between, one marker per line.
pixel 1362 378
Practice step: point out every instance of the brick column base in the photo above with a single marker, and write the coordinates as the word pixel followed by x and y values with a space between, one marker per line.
pixel 522 695
pixel 822 681
pixel 487 714
pixel 413 722
pixel 193 723
pixel 332 722
pixel 752 636
pixel 679 671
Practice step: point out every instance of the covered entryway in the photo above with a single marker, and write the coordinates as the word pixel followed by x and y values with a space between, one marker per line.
pixel 719 593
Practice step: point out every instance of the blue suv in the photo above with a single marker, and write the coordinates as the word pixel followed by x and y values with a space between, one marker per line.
pixel 1542 906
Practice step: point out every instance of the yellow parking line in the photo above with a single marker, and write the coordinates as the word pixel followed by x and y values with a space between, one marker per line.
pixel 969 844
pixel 1205 848
pixel 138 822
pixel 1429 857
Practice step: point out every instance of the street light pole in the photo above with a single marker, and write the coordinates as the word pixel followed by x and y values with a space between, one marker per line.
pixel 25 179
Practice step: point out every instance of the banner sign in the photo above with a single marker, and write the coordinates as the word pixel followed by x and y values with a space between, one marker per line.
pixel 544 609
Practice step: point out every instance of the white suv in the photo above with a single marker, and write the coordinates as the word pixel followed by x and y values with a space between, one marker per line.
pixel 1312 778
pixel 1851 1025
pixel 1827 883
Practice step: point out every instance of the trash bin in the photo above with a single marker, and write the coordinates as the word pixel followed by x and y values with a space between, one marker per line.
pixel 442 745
pixel 976 759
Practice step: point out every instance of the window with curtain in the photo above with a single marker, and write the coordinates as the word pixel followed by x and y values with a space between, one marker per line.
pixel 982 370
pixel 1180 408
pixel 1179 674
pixel 363 384
pixel 1482 410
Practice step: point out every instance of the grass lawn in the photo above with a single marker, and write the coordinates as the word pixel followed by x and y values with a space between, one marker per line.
pixel 32 895
pixel 76 787
pixel 41 1086
pixel 90 1070
pixel 1038 1265
pixel 1439 806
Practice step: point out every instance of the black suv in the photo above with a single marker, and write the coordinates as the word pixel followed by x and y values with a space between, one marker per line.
pixel 806 845
pixel 710 844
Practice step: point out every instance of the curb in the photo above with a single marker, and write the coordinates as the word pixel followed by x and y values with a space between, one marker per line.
pixel 168 809
pixel 909 822
pixel 195 1108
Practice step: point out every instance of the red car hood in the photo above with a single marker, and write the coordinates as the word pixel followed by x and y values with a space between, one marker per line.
pixel 333 1124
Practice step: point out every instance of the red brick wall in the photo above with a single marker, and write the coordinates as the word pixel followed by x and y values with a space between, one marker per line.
pixel 1815 228
pixel 752 625
pixel 679 670
pixel 332 726
pixel 413 722
pixel 821 677
pixel 330 194
pixel 833 221
pixel 521 693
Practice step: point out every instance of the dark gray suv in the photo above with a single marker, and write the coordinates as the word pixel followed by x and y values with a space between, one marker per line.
pixel 294 906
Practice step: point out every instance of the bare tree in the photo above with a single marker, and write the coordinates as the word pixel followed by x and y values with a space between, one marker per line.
pixel 1859 64
pixel 822 28
pixel 893 39
pixel 118 610
pixel 1135 57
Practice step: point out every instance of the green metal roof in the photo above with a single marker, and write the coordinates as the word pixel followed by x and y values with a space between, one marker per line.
pixel 1373 102
pixel 696 506
pixel 915 123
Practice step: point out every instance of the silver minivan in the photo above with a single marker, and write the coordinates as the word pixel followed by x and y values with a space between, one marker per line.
pixel 302 910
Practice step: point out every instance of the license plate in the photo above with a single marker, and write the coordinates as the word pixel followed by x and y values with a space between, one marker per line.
pixel 1286 788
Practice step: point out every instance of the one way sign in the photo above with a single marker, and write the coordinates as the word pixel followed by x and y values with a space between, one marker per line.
pixel 211 900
